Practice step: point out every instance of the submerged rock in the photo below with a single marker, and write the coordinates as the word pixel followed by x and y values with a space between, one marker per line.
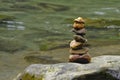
pixel 41 59
pixel 101 68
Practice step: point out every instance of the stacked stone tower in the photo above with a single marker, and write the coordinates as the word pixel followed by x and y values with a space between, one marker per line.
pixel 78 51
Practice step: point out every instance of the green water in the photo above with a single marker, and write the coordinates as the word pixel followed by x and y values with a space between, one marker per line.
pixel 40 31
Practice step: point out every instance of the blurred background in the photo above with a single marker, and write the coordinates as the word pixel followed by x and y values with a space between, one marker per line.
pixel 39 31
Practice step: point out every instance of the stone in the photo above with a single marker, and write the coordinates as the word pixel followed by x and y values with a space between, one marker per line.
pixel 75 45
pixel 79 19
pixel 80 58
pixel 79 23
pixel 81 32
pixel 79 51
pixel 79 38
pixel 40 59
pixel 105 67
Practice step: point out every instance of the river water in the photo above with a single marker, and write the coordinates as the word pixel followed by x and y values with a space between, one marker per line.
pixel 102 41
pixel 13 63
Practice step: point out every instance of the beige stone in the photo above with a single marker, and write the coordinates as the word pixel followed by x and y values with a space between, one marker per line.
pixel 79 23
pixel 79 19
pixel 75 45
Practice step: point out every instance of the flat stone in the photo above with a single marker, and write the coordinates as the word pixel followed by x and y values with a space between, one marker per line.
pixel 83 58
pixel 101 68
pixel 81 32
pixel 79 38
pixel 79 51
pixel 75 45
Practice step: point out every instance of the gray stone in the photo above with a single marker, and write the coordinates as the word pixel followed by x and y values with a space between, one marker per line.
pixel 79 38
pixel 101 68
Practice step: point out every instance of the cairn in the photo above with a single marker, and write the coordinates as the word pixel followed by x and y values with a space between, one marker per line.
pixel 78 51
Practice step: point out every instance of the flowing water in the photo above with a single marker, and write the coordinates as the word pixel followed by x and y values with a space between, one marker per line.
pixel 43 36
pixel 102 42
